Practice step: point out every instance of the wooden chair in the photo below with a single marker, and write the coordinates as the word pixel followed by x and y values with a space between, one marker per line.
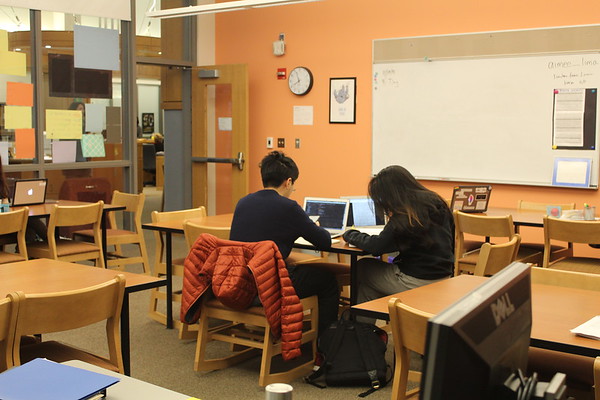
pixel 160 266
pixel 409 330
pixel 494 257
pixel 570 231
pixel 14 223
pixel 249 333
pixel 134 205
pixel 61 311
pixel 582 372
pixel 488 227
pixel 71 250
pixel 8 319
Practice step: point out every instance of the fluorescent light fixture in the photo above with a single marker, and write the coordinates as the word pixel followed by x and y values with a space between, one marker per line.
pixel 220 7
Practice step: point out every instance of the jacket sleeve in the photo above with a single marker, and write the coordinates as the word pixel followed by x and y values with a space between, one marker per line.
pixel 375 244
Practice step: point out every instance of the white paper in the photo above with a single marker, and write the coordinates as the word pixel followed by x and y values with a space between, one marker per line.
pixel 589 329
pixel 569 107
pixel 573 172
pixel 225 123
pixel 95 117
pixel 303 115
pixel 64 151
pixel 4 152
pixel 96 48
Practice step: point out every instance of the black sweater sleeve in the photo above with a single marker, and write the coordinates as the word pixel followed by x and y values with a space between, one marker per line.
pixel 385 242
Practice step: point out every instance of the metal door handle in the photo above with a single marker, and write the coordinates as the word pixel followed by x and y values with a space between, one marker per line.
pixel 239 161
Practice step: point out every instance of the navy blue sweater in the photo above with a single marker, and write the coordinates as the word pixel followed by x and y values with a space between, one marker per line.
pixel 266 215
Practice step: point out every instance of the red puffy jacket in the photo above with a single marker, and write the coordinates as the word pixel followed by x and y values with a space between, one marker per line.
pixel 237 271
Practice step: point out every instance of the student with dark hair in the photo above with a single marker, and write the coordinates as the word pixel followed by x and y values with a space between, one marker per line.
pixel 269 214
pixel 420 228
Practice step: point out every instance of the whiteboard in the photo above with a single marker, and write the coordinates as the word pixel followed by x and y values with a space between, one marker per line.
pixel 478 120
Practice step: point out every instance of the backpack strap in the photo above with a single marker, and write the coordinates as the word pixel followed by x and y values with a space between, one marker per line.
pixel 367 351
pixel 330 354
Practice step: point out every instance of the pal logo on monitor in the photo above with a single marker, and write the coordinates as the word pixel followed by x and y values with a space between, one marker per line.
pixel 30 192
pixel 502 308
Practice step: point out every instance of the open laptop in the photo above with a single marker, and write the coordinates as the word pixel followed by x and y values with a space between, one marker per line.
pixel 332 214
pixel 363 212
pixel 471 198
pixel 29 191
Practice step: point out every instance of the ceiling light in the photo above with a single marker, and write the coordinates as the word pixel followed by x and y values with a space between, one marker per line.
pixel 220 7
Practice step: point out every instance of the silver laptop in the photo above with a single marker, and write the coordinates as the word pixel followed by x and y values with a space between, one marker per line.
pixel 29 191
pixel 471 198
pixel 363 212
pixel 332 214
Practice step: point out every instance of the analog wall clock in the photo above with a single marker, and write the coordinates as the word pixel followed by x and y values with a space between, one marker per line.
pixel 300 81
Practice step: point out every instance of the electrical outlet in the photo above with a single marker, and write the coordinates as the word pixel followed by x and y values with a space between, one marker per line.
pixel 269 143
pixel 297 143
pixel 281 142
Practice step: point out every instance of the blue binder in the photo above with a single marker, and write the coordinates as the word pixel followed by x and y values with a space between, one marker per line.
pixel 47 380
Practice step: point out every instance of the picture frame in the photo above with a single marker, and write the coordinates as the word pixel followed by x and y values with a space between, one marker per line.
pixel 342 100
pixel 147 122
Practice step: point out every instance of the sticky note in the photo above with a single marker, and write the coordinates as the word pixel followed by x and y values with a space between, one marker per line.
pixel 17 117
pixel 64 151
pixel 13 63
pixel 25 143
pixel 64 124
pixel 92 145
pixel 19 94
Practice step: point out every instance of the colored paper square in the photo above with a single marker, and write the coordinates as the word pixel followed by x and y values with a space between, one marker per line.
pixel 96 48
pixel 4 152
pixel 25 143
pixel 19 94
pixel 17 117
pixel 92 145
pixel 64 124
pixel 64 151
pixel 13 63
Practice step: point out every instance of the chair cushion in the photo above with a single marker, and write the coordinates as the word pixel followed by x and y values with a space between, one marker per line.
pixel 60 352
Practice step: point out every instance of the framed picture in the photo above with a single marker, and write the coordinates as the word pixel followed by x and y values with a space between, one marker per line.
pixel 342 100
pixel 147 122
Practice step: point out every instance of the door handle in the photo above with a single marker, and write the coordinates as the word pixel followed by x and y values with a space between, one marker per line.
pixel 239 161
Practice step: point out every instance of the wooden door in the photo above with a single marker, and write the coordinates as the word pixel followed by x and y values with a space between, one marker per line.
pixel 219 133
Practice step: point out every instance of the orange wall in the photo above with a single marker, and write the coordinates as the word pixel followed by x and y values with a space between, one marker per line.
pixel 334 39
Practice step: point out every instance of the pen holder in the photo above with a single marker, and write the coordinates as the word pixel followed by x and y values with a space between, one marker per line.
pixel 278 391
pixel 4 207
pixel 589 213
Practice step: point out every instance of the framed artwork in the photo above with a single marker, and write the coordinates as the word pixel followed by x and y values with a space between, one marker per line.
pixel 147 122
pixel 342 100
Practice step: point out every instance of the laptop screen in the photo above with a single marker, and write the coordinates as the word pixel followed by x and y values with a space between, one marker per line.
pixel 332 213
pixel 29 191
pixel 363 212
pixel 471 198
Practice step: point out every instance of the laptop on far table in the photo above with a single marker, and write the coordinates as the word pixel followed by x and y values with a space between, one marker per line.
pixel 332 214
pixel 29 191
pixel 471 198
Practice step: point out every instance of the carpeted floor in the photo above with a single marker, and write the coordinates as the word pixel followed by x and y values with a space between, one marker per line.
pixel 159 357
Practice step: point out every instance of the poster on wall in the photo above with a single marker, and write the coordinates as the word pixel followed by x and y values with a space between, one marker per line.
pixel 342 100
pixel 147 122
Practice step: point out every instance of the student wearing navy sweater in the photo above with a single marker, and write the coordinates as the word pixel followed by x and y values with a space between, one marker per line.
pixel 270 214
pixel 420 228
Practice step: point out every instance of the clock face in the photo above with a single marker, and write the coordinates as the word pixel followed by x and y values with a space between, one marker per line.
pixel 300 81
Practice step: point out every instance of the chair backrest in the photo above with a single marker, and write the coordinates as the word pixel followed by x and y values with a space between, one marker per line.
pixel 16 222
pixel 149 156
pixel 133 203
pixel 494 257
pixel 533 206
pixel 62 311
pixel 192 231
pixel 178 215
pixel 481 225
pixel 571 279
pixel 8 318
pixel 568 231
pixel 67 216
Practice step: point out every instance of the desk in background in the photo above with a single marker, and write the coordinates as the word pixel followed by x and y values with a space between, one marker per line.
pixel 46 276
pixel 555 310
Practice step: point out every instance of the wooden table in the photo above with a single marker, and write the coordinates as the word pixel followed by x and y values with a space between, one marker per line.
pixel 45 276
pixel 555 310
pixel 44 210
pixel 520 218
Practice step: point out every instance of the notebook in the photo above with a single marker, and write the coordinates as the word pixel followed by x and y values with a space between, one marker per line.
pixel 332 213
pixel 363 212
pixel 471 198
pixel 29 191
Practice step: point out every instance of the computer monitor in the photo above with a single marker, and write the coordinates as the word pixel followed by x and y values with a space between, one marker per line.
pixel 476 343
pixel 363 212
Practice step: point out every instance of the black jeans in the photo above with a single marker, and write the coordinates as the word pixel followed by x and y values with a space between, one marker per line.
pixel 314 280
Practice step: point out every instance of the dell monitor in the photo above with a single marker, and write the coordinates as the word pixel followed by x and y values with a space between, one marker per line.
pixel 476 343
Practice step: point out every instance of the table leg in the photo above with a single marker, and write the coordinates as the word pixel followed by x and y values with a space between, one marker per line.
pixel 103 235
pixel 169 267
pixel 125 343
pixel 353 279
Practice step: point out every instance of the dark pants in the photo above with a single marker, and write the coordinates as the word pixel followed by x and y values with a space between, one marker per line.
pixel 310 280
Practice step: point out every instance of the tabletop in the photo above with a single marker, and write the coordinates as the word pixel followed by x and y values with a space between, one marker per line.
pixel 555 310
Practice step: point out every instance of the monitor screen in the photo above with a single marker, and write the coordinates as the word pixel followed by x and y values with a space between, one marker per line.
pixel 363 212
pixel 332 213
pixel 476 343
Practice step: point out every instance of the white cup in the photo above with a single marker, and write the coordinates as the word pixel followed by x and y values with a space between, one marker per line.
pixel 278 391
pixel 589 213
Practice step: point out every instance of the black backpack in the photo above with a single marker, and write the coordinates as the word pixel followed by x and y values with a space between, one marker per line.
pixel 353 354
